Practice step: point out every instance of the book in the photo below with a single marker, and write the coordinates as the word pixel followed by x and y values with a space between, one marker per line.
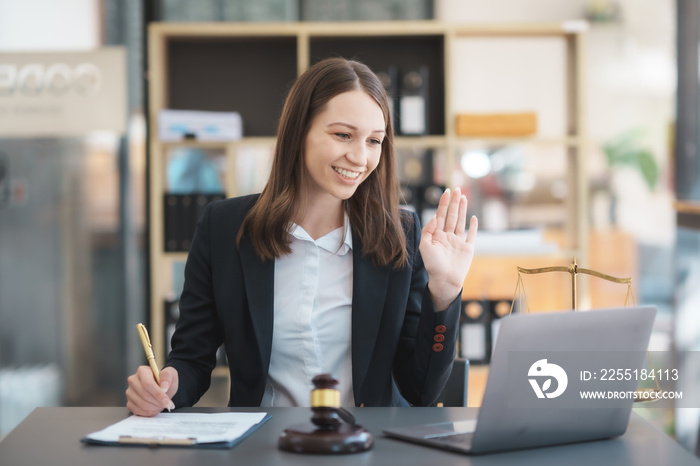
pixel 172 212
pixel 413 102
pixel 475 332
pixel 181 213
pixel 496 124
pixel 389 78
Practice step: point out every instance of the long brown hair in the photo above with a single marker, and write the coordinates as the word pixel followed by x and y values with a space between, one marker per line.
pixel 374 207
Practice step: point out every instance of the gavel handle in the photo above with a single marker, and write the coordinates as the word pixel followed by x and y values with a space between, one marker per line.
pixel 346 416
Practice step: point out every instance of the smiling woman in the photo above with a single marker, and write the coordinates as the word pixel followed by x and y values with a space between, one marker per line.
pixel 342 149
pixel 327 274
pixel 339 98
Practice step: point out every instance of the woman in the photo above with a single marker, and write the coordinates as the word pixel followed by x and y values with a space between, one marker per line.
pixel 321 272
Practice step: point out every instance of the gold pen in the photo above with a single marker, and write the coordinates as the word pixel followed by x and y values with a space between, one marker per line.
pixel 148 348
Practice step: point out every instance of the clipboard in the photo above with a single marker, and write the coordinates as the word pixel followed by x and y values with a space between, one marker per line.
pixel 116 434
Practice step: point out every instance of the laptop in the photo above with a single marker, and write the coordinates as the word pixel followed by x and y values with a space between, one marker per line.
pixel 542 373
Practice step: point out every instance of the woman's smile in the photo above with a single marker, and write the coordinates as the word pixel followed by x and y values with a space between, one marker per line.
pixel 350 175
pixel 343 146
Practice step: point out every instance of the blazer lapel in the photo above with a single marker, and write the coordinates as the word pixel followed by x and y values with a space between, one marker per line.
pixel 368 296
pixel 259 278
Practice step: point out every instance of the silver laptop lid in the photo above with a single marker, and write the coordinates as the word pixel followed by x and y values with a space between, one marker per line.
pixel 543 362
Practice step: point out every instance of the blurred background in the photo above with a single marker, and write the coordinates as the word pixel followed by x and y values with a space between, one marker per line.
pixel 74 209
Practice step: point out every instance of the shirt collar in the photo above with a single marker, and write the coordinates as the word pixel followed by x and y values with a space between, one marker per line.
pixel 331 240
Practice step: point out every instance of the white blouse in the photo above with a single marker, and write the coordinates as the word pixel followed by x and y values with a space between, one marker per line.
pixel 312 318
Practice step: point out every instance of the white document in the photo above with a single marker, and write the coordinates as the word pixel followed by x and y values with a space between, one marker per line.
pixel 197 427
pixel 413 115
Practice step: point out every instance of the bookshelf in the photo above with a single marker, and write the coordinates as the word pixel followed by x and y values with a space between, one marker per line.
pixel 248 68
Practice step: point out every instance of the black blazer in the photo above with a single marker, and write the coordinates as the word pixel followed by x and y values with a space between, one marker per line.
pixel 402 350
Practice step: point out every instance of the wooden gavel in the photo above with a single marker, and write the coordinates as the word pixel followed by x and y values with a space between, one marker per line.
pixel 327 433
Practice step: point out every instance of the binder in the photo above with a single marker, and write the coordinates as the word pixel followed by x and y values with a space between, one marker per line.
pixel 430 198
pixel 172 219
pixel 415 167
pixel 475 332
pixel 410 198
pixel 181 213
pixel 413 102
pixel 188 221
pixel 390 80
pixel 415 170
pixel 200 203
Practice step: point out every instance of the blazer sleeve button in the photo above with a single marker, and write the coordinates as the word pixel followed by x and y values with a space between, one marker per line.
pixel 440 329
pixel 439 338
pixel 437 347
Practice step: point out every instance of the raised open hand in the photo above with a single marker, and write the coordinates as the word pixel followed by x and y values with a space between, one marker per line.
pixel 446 254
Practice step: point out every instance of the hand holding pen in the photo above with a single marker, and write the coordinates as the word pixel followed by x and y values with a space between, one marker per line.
pixel 150 390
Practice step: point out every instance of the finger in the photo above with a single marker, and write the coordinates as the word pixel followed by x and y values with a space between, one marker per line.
pixel 169 376
pixel 453 211
pixel 462 219
pixel 139 401
pixel 165 401
pixel 473 227
pixel 429 229
pixel 145 389
pixel 149 390
pixel 139 406
pixel 442 210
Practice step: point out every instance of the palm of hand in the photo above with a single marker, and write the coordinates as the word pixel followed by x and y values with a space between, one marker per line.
pixel 446 255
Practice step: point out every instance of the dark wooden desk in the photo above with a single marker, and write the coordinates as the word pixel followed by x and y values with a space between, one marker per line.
pixel 52 436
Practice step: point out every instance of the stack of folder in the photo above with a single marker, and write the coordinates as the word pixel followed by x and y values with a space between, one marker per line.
pixel 181 212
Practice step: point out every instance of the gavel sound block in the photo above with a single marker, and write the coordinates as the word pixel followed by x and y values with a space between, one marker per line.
pixel 327 432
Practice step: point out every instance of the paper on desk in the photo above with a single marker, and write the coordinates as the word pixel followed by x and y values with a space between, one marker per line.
pixel 201 427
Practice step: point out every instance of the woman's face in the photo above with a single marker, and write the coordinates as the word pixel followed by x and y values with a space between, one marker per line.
pixel 343 145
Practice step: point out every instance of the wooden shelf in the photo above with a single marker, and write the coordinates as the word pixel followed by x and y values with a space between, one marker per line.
pixel 169 145
pixel 409 142
pixel 368 28
pixel 245 141
pixel 249 67
pixel 688 214
pixel 570 141
pixel 175 256
pixel 687 207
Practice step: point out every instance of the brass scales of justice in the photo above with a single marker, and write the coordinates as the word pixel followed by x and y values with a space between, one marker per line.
pixel 574 270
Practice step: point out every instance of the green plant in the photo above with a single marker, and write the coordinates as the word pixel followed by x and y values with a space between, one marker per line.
pixel 627 150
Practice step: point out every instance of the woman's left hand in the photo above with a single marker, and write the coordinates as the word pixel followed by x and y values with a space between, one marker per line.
pixel 446 254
